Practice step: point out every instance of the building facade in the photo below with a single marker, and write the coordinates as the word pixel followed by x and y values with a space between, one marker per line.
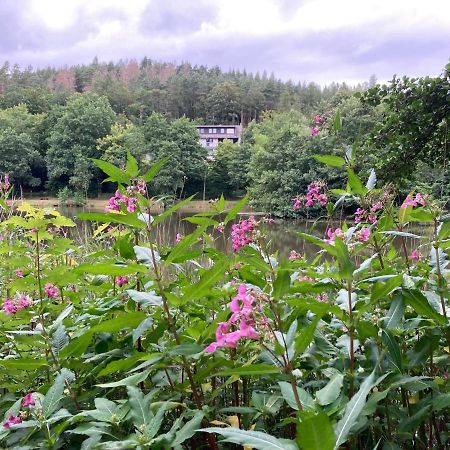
pixel 212 135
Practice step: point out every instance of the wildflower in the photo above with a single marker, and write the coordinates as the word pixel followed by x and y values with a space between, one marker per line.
pixel 121 280
pixel 19 273
pixel 12 420
pixel 409 201
pixel 414 255
pixel 318 119
pixel 15 304
pixel 333 234
pixel 297 203
pixel 114 203
pixel 28 400
pixel 241 233
pixel 364 234
pixel 420 199
pixel 314 194
pixel 322 297
pixel 220 228
pixel 51 290
pixel 178 237
pixel 314 131
pixel 243 308
pixel 293 255
pixel 4 184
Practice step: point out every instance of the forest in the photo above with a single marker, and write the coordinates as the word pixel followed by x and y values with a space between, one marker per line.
pixel 53 122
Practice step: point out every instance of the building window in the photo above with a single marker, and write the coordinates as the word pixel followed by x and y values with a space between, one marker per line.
pixel 210 131
pixel 214 130
pixel 202 130
pixel 209 142
pixel 222 130
pixel 230 130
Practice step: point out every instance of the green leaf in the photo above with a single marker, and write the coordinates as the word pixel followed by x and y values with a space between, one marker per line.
pixel 330 160
pixel 305 337
pixel 150 174
pixel 231 215
pixel 56 392
pixel 420 304
pixel 110 268
pixel 159 218
pixel 353 410
pixel 337 121
pixel 23 363
pixel 254 369
pixel 145 299
pixel 282 283
pixel 131 167
pixel 126 320
pixel 255 439
pixel 140 406
pixel 395 314
pixel 420 215
pixel 112 171
pixel 316 433
pixel 188 429
pixel 77 346
pixel 288 394
pixel 393 349
pixel 129 381
pixel 346 266
pixel 125 219
pixel 331 391
pixel 355 183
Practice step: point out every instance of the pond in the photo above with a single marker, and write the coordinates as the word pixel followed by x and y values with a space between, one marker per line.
pixel 282 233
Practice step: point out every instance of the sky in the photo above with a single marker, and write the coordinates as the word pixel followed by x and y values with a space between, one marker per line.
pixel 304 40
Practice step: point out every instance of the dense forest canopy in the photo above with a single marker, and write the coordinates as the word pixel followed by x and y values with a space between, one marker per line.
pixel 54 121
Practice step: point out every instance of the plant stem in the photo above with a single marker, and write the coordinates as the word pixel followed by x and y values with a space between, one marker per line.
pixel 350 335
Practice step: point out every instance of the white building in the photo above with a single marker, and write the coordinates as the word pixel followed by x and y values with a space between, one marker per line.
pixel 212 135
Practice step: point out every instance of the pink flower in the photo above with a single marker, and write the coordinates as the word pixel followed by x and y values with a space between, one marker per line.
pixel 364 234
pixel 293 255
pixel 314 194
pixel 243 308
pixel 420 199
pixel 28 400
pixel 414 255
pixel 15 304
pixel 297 203
pixel 121 280
pixel 19 273
pixel 241 233
pixel 12 420
pixel 322 297
pixel 220 228
pixel 314 131
pixel 333 234
pixel 178 237
pixel 409 201
pixel 51 290
pixel 318 119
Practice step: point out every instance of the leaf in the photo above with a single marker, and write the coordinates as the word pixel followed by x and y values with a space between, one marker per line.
pixel 420 304
pixel 330 160
pixel 353 410
pixel 401 233
pixel 255 439
pixel 125 219
pixel 145 299
pixel 124 320
pixel 355 183
pixel 372 180
pixel 393 348
pixel 395 314
pixel 110 268
pixel 23 363
pixel 132 168
pixel 128 381
pixel 59 339
pixel 331 391
pixel 112 171
pixel 231 215
pixel 254 369
pixel 188 429
pixel 56 392
pixel 337 121
pixel 346 267
pixel 288 394
pixel 77 346
pixel 316 433
pixel 282 283
pixel 150 174
pixel 142 328
pixel 305 336
pixel 159 218
pixel 140 406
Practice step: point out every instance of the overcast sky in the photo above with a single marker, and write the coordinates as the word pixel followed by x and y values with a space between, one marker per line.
pixel 303 40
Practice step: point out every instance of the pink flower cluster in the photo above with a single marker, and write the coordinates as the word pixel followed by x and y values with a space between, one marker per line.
pixel 178 237
pixel 419 199
pixel 313 131
pixel 415 256
pixel 293 255
pixel 138 186
pixel 19 273
pixel 241 233
pixel 121 280
pixel 363 216
pixel 318 119
pixel 11 420
pixel 15 304
pixel 114 203
pixel 242 306
pixel 28 400
pixel 333 234
pixel 314 195
pixel 51 291
pixel 4 183
pixel 363 234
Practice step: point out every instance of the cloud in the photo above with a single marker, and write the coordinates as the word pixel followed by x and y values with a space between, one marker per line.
pixel 306 40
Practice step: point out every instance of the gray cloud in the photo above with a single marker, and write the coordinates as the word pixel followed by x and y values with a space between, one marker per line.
pixel 172 17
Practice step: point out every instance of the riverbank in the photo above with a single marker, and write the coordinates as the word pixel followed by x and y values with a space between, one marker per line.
pixel 98 204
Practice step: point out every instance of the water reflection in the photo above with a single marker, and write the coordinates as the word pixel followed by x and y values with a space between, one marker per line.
pixel 282 234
